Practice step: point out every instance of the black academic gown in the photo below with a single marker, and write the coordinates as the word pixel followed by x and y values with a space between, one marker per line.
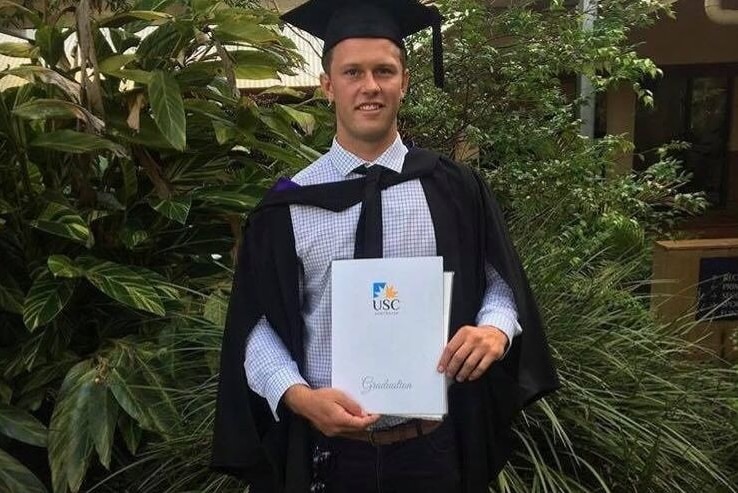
pixel 469 229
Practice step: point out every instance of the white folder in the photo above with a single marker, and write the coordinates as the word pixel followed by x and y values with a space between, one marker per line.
pixel 390 320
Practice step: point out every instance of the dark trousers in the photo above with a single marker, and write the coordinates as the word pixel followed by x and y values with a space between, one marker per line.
pixel 427 464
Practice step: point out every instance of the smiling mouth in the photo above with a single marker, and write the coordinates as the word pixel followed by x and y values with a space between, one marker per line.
pixel 370 107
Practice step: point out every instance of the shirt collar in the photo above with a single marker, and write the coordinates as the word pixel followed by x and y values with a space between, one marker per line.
pixel 344 161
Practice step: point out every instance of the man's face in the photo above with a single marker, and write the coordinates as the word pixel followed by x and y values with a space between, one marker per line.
pixel 367 81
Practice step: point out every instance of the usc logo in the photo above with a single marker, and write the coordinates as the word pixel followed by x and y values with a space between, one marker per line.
pixel 384 305
pixel 385 297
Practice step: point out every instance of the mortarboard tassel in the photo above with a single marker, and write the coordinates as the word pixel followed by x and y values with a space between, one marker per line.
pixel 438 73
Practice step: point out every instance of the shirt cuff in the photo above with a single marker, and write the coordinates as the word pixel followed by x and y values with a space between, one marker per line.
pixel 278 384
pixel 507 324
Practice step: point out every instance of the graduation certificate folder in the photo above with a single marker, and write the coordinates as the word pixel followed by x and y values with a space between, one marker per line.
pixel 390 320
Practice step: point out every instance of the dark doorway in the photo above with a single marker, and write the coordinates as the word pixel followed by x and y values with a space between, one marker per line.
pixel 695 108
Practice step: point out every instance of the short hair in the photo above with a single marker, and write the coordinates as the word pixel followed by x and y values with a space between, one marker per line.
pixel 327 58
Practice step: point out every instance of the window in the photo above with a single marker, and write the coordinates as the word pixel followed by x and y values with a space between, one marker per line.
pixel 694 108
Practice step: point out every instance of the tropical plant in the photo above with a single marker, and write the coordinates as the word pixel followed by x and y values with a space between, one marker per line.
pixel 128 156
pixel 118 217
pixel 634 408
pixel 635 414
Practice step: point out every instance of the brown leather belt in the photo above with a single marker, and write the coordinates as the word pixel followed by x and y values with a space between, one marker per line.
pixel 399 433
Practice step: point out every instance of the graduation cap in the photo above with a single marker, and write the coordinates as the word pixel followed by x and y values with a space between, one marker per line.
pixel 336 20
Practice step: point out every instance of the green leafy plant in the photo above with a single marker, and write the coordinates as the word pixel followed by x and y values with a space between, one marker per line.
pixel 122 192
pixel 125 168
pixel 635 412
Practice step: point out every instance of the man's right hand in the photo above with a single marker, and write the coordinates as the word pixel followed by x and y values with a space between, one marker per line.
pixel 331 411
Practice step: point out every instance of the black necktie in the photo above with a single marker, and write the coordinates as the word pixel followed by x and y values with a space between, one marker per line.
pixel 369 229
pixel 340 195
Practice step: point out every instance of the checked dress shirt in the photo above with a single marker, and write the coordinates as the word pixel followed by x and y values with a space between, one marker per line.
pixel 322 236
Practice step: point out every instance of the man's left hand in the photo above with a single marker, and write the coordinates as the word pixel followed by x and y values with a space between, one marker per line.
pixel 471 351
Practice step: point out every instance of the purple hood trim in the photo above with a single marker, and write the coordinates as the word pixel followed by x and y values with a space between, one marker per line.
pixel 284 184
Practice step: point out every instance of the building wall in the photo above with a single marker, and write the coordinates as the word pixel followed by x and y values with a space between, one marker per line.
pixel 690 38
pixel 621 105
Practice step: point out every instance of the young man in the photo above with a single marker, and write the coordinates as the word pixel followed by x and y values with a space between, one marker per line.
pixel 281 425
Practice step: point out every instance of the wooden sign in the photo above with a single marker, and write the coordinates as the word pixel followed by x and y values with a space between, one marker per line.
pixel 718 289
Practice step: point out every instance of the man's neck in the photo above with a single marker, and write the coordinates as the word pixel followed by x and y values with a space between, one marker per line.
pixel 368 151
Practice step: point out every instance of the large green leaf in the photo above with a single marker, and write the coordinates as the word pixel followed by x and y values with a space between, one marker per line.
pixel 35 73
pixel 231 198
pixel 130 431
pixel 19 50
pixel 198 74
pixel 148 135
pixel 124 394
pixel 280 153
pixel 70 444
pixel 28 355
pixel 287 43
pixel 50 41
pixel 18 424
pixel 102 421
pixel 255 72
pixel 122 284
pixel 37 181
pixel 208 109
pixel 132 236
pixel 218 90
pixel 15 478
pixel 280 125
pixel 164 42
pixel 256 57
pixel 168 108
pixel 305 121
pixel 113 64
pixel 175 209
pixel 85 416
pixel 245 30
pixel 60 220
pixel 166 289
pixel 46 298
pixel 76 142
pixel 248 15
pixel 137 381
pixel 42 109
pixel 283 91
pixel 224 132
pixel 135 15
pixel 136 75
pixel 255 64
pixel 130 180
pixel 11 296
pixel 193 171
pixel 62 266
pixel 153 394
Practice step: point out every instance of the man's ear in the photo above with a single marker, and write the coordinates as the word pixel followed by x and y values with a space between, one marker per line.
pixel 326 86
pixel 405 82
